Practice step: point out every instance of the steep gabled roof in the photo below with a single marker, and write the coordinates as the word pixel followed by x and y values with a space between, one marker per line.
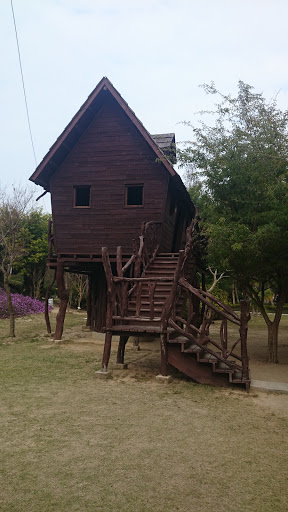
pixel 80 122
pixel 166 142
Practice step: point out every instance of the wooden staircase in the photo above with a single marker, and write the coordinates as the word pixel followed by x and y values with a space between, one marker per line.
pixel 139 304
pixel 158 300
pixel 203 367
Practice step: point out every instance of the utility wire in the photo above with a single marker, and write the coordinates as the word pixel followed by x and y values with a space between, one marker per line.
pixel 23 84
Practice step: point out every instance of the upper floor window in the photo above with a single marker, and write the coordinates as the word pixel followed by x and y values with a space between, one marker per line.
pixel 82 196
pixel 134 195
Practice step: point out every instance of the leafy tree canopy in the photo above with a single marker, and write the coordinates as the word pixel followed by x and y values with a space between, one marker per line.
pixel 238 172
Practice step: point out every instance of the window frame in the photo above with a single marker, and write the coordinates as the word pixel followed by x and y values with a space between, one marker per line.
pixel 134 185
pixel 77 187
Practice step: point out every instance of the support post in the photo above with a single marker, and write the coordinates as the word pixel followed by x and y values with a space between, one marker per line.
pixel 63 295
pixel 107 351
pixel 136 342
pixel 89 301
pixel 164 354
pixel 47 319
pixel 121 349
pixel 110 307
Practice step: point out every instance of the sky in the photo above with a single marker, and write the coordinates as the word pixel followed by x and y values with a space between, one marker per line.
pixel 155 52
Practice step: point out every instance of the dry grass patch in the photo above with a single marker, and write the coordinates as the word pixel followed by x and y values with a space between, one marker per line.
pixel 71 442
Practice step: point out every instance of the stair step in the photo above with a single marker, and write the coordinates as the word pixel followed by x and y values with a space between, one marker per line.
pixel 192 349
pixel 136 318
pixel 163 272
pixel 131 328
pixel 164 263
pixel 178 339
pixel 166 254
pixel 222 370
pixel 237 377
pixel 225 366
pixel 208 358
pixel 144 311
pixel 146 303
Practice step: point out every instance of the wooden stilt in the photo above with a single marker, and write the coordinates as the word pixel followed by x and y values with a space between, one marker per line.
pixel 136 342
pixel 121 349
pixel 89 301
pixel 107 350
pixel 47 319
pixel 164 355
pixel 63 295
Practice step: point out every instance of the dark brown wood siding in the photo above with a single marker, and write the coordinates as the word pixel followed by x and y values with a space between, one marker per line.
pixel 109 155
pixel 177 216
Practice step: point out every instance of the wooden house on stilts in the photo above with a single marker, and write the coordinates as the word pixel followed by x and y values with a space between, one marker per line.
pixel 122 216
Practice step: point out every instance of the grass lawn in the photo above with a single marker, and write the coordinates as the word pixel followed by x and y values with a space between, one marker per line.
pixel 70 442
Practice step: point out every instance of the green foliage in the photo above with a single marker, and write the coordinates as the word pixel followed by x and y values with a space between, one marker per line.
pixel 243 164
pixel 32 267
pixel 221 295
pixel 238 173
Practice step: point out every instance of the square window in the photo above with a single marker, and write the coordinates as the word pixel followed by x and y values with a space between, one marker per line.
pixel 134 195
pixel 82 196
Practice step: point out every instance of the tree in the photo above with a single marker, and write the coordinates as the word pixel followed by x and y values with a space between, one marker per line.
pixel 33 266
pixel 12 211
pixel 76 286
pixel 241 163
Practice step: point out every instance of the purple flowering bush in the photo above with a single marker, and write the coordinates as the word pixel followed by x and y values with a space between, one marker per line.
pixel 22 305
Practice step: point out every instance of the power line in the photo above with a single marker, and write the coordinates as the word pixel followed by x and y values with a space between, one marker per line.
pixel 23 84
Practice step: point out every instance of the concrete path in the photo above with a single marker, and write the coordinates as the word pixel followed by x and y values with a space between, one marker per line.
pixel 278 387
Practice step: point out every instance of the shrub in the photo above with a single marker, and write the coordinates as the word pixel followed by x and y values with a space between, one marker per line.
pixel 22 305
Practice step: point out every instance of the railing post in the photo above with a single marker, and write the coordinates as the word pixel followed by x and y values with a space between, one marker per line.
pixel 164 354
pixel 244 319
pixel 224 337
pixel 110 305
pixel 119 261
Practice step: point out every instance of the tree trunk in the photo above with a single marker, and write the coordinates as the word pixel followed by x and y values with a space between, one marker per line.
pixel 273 328
pixel 233 295
pixel 236 294
pixel 10 306
pixel 28 288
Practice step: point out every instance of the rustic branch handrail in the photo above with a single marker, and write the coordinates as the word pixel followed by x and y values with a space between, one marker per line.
pixel 203 332
pixel 117 279
pixel 192 338
pixel 224 306
pixel 199 293
pixel 138 256
pixel 129 263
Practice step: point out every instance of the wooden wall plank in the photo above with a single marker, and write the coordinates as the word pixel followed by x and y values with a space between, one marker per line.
pixel 109 155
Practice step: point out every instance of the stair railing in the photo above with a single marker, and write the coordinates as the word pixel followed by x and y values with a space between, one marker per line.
pixel 131 276
pixel 187 327
pixel 191 231
pixel 170 303
pixel 201 336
